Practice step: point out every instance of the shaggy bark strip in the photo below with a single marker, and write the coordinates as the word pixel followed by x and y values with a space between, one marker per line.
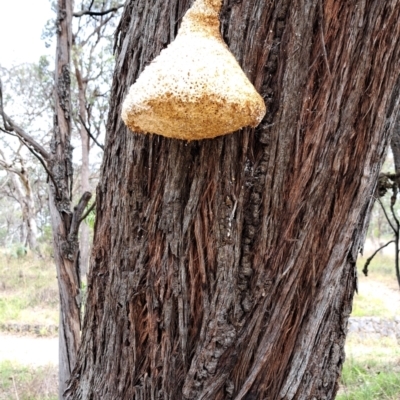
pixel 225 269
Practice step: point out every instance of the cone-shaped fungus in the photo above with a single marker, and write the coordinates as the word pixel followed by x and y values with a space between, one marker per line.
pixel 194 89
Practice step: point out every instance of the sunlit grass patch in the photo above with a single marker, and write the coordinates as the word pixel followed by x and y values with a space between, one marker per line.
pixel 371 370
pixel 369 380
pixel 378 294
pixel 370 303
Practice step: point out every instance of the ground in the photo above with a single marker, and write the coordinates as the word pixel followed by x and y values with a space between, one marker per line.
pixel 28 364
pixel 29 350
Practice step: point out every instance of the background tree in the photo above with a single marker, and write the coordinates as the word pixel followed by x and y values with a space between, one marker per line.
pixel 28 97
pixel 21 189
pixel 33 107
pixel 57 160
pixel 92 66
pixel 225 268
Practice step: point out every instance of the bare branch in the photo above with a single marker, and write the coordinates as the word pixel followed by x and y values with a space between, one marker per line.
pixel 4 184
pixel 7 165
pixel 96 31
pixel 50 175
pixel 10 126
pixel 89 133
pixel 365 269
pixel 88 211
pixel 5 121
pixel 40 159
pixel 77 215
pixel 386 216
pixel 9 168
pixel 395 217
pixel 96 13
pixel 393 177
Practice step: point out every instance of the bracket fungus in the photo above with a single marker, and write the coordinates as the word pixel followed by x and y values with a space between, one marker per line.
pixel 195 89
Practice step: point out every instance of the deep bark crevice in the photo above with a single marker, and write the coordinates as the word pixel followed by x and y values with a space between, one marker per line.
pixel 226 268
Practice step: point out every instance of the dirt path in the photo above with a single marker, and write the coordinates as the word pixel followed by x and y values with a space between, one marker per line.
pixel 29 350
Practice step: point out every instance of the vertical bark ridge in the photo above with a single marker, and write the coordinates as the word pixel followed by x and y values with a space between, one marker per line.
pixel 226 268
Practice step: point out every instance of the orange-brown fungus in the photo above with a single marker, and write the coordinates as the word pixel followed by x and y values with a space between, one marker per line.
pixel 194 89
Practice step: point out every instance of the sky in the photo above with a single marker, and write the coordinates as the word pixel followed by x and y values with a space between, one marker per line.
pixel 21 24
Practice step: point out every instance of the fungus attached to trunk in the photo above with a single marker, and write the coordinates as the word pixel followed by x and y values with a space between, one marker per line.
pixel 194 89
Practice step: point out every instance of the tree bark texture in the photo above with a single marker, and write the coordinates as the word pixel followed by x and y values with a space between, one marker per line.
pixel 225 268
pixel 65 236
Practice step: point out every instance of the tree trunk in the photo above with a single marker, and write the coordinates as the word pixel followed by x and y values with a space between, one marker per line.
pixel 395 146
pixel 65 221
pixel 84 245
pixel 65 236
pixel 25 198
pixel 225 268
pixel 22 189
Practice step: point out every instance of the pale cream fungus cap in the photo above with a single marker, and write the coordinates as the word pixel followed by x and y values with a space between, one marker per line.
pixel 194 89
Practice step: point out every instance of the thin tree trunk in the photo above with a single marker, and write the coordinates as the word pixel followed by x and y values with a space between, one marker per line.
pixel 225 268
pixel 25 198
pixel 24 195
pixel 84 249
pixel 65 221
pixel 84 245
pixel 60 197
pixel 395 145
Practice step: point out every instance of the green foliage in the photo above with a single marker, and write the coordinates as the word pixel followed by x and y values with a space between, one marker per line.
pixel 17 250
pixel 27 383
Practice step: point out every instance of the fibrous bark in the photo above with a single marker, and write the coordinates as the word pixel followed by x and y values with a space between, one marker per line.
pixel 225 268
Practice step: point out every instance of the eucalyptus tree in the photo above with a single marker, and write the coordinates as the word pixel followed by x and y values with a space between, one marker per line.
pixel 20 189
pixel 226 268
pixel 56 157
pixel 33 107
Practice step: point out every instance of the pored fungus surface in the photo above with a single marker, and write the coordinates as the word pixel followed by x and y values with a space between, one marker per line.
pixel 195 89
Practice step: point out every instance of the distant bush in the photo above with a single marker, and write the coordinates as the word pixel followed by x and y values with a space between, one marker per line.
pixel 16 250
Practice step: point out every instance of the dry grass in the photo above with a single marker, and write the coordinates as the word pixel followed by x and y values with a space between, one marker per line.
pixel 27 383
pixel 372 367
pixel 378 293
pixel 28 290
